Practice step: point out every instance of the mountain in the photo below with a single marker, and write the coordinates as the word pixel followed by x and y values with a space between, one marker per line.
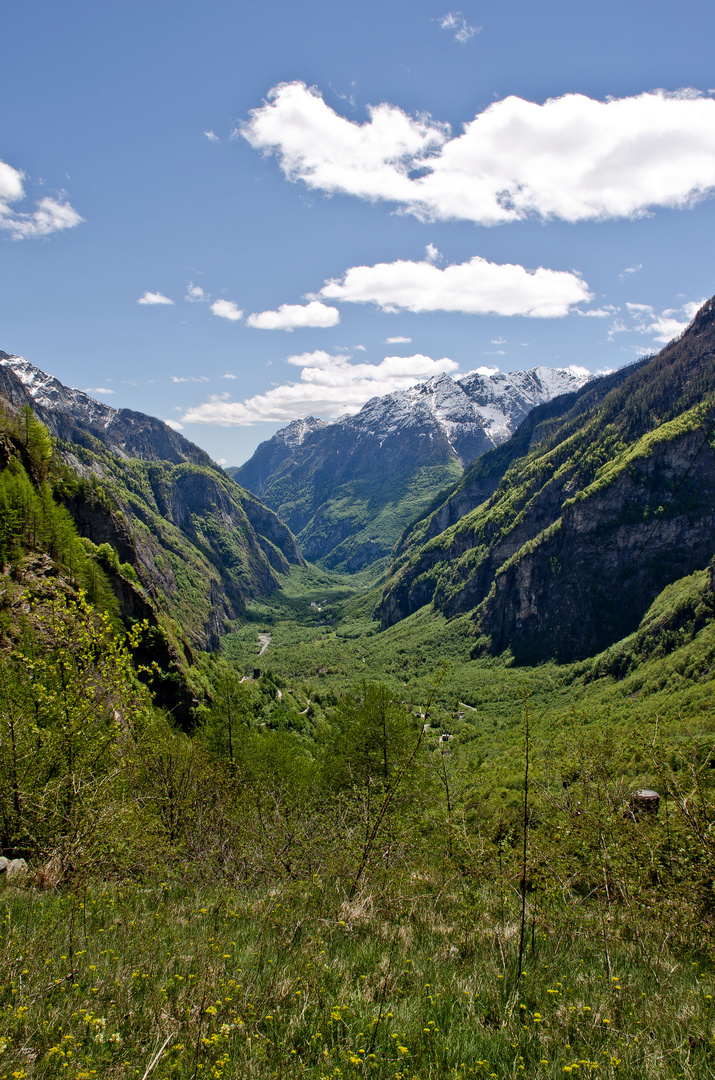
pixel 349 488
pixel 200 545
pixel 559 540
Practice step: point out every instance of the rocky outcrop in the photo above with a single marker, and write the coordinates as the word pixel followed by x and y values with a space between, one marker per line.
pixel 587 581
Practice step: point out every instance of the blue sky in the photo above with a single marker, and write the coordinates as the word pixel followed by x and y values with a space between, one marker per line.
pixel 311 176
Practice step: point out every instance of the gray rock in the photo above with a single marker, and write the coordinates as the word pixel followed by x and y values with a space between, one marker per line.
pixel 16 871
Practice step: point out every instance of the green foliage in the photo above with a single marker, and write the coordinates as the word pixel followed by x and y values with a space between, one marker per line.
pixel 68 701
pixel 370 737
pixel 32 522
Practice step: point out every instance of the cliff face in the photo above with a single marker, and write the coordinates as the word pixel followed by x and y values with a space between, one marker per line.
pixel 587 581
pixel 349 488
pixel 200 545
pixel 571 512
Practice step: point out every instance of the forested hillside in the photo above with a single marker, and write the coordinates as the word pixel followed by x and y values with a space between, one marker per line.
pixel 615 491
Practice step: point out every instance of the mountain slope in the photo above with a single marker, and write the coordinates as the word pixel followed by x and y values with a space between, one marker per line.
pixel 539 557
pixel 349 488
pixel 200 544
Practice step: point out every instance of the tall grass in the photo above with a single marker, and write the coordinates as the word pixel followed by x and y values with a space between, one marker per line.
pixel 180 980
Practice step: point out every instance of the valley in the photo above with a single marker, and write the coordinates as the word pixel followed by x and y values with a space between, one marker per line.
pixel 376 814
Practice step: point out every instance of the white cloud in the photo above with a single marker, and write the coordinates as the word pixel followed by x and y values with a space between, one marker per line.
pixel 229 376
pixel 195 294
pixel 154 298
pixel 174 425
pixel 692 307
pixel 631 270
pixel 326 151
pixel 50 216
pixel 486 371
pixel 662 326
pixel 498 341
pixel 11 188
pixel 192 378
pixel 454 20
pixel 398 340
pixel 211 136
pixel 474 287
pixel 98 390
pixel 597 313
pixel 226 309
pixel 295 316
pixel 432 255
pixel 330 385
pixel 573 157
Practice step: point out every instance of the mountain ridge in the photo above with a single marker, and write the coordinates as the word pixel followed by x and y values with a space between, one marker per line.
pixel 349 487
pixel 534 552
pixel 201 546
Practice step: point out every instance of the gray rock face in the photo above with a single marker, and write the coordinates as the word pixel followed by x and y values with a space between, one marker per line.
pixel 13 871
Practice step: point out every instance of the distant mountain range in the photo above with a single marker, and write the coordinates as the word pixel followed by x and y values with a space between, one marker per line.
pixel 349 488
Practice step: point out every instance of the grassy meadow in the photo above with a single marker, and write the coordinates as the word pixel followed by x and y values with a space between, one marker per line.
pixel 380 857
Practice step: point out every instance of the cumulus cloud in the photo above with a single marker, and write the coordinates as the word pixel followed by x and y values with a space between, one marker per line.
pixel 486 371
pixel 174 425
pixel 572 157
pixel 211 136
pixel 226 309
pixel 330 385
pixel 154 298
pixel 51 215
pixel 196 295
pixel 662 326
pixel 454 20
pixel 476 287
pixel 294 316
pixel 316 145
pixel 398 340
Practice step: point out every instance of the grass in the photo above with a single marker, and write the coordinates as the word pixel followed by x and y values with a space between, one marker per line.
pixel 183 981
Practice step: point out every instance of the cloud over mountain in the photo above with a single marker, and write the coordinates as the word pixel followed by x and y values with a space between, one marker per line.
pixel 330 385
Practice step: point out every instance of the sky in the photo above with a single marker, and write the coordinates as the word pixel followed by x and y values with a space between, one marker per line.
pixel 233 215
